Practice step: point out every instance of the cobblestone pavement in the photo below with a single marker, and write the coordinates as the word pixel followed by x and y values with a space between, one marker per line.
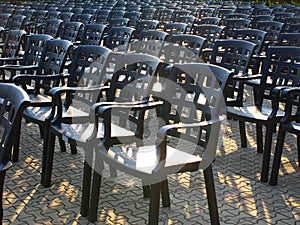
pixel 242 198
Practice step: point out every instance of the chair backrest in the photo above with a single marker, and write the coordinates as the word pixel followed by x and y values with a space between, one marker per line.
pixel 147 13
pixel 280 68
pixel 40 16
pixel 289 39
pixel 272 28
pixel 184 48
pixel 71 31
pixel 135 72
pixel 34 47
pixel 244 10
pixel 295 28
pixel 52 27
pixel 93 34
pixel 119 37
pixel 133 17
pixel 144 25
pixel 210 21
pixel 210 32
pixel 53 15
pixel 233 24
pixel 253 35
pixel 234 55
pixel 149 42
pixel 238 16
pixel 65 16
pixel 102 16
pixel 54 57
pixel 194 93
pixel 4 19
pixel 16 22
pixel 175 28
pixel 13 101
pixel 13 42
pixel 83 18
pixel 288 21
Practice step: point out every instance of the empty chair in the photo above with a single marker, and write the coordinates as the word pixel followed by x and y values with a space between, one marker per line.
pixel 93 34
pixel 273 29
pixel 133 17
pixel 280 17
pixel 175 28
pixel 118 38
pixel 164 16
pixel 13 101
pixel 234 55
pixel 210 32
pixel 147 13
pixel 280 68
pixel 244 10
pixel 4 19
pixel 189 20
pixel 144 25
pixel 51 27
pixel 53 15
pixel 183 48
pixel 179 13
pixel 71 31
pixel 295 28
pixel 289 124
pixel 28 63
pixel 83 18
pixel 16 22
pixel 289 39
pixel 65 16
pixel 232 24
pixel 101 16
pixel 262 11
pixel 162 159
pixel 149 42
pixel 288 21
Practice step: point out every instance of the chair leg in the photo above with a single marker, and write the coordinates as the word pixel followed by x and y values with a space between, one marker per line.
pixel 62 145
pixel 165 194
pixel 2 177
pixel 47 162
pixel 16 147
pixel 146 191
pixel 259 137
pixel 73 149
pixel 211 196
pixel 243 134
pixel 42 133
pixel 93 211
pixel 86 188
pixel 267 154
pixel 298 148
pixel 154 204
pixel 277 157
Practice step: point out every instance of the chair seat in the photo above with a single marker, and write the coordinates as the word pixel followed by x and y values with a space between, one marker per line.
pixel 39 114
pixel 39 100
pixel 252 113
pixel 293 127
pixel 80 132
pixel 142 161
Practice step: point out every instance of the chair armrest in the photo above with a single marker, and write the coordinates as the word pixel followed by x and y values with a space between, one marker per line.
pixel 245 77
pixel 10 59
pixel 210 149
pixel 13 67
pixel 57 91
pixel 136 105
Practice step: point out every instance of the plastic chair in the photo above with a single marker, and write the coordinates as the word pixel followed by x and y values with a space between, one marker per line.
pixel 234 55
pixel 118 38
pixel 280 68
pixel 144 25
pixel 131 67
pixel 30 59
pixel 232 24
pixel 162 158
pixel 51 27
pixel 13 101
pixel 150 42
pixel 183 48
pixel 71 31
pixel 93 34
pixel 289 124
pixel 289 39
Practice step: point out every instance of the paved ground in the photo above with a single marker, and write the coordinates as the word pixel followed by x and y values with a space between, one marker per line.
pixel 242 199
